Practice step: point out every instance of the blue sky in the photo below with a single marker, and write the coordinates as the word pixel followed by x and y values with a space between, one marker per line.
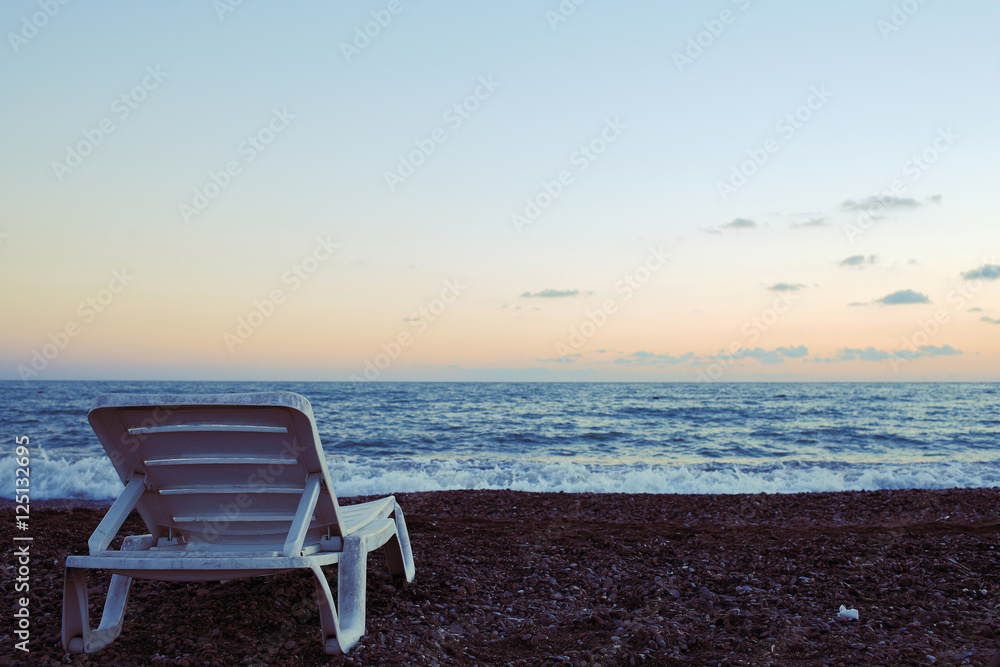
pixel 289 197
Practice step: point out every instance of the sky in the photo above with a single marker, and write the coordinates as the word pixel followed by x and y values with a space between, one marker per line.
pixel 718 191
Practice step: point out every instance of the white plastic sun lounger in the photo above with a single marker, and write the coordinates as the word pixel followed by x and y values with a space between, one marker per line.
pixel 229 486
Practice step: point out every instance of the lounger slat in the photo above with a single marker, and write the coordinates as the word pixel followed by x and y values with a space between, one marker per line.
pixel 194 561
pixel 213 444
pixel 242 517
pixel 207 428
pixel 353 516
pixel 224 477
pixel 210 489
pixel 240 535
pixel 161 416
pixel 220 460
pixel 172 554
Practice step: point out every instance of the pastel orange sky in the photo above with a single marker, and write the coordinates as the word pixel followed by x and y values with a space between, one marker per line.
pixel 734 191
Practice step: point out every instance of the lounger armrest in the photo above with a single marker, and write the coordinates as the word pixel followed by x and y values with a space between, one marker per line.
pixel 303 515
pixel 116 516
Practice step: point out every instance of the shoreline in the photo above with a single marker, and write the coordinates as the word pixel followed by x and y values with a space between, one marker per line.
pixel 105 503
pixel 509 577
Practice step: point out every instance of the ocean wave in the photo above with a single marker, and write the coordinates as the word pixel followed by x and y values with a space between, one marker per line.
pixel 55 477
pixel 353 476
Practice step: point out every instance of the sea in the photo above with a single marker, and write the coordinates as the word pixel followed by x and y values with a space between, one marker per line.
pixel 699 438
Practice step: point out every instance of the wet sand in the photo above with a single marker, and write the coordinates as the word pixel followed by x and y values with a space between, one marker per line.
pixel 526 578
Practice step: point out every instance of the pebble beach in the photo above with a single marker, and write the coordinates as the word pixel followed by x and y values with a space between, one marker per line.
pixel 518 578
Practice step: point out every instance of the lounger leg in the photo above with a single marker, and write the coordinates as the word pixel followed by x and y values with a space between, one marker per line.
pixel 397 550
pixel 352 583
pixel 76 621
pixel 334 641
pixel 77 635
pixel 341 632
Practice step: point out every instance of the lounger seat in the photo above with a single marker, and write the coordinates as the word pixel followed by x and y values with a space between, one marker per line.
pixel 229 486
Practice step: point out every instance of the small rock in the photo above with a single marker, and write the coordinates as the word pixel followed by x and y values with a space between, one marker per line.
pixel 928 617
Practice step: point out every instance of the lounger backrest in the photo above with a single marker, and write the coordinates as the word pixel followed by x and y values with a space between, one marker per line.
pixel 227 469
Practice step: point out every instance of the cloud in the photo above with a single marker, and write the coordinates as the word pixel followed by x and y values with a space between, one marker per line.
pixel 562 360
pixel 766 357
pixel 854 354
pixel 738 223
pixel 871 354
pixel 880 201
pixel 859 260
pixel 903 297
pixel 984 272
pixel 935 351
pixel 643 358
pixel 934 199
pixel 551 294
pixel 786 287
pixel 984 318
pixel 812 222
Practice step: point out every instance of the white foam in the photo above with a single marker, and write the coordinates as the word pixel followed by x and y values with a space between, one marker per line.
pixel 358 476
pixel 93 477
